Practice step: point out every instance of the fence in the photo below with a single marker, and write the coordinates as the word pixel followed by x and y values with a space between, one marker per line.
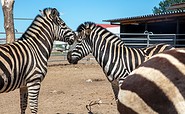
pixel 147 39
pixel 60 49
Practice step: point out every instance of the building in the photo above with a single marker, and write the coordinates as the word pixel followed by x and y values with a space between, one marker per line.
pixel 172 22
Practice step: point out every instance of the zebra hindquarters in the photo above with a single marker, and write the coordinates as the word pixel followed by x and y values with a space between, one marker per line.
pixel 157 86
pixel 130 96
pixel 146 97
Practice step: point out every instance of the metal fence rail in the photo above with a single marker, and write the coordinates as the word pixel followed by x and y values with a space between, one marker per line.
pixel 135 39
pixel 147 39
pixel 129 39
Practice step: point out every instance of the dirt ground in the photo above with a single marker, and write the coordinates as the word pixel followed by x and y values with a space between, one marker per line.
pixel 67 89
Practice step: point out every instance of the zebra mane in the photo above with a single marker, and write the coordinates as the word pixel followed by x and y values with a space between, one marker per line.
pixel 43 13
pixel 49 10
pixel 84 26
pixel 25 33
pixel 89 25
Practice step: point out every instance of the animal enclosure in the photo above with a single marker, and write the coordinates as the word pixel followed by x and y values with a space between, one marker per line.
pixel 68 89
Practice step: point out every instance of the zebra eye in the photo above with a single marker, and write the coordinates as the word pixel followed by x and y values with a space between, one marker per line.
pixel 80 35
pixel 58 21
pixel 61 22
pixel 79 40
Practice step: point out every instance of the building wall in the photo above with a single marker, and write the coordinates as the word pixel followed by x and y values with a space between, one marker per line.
pixel 133 28
pixel 156 28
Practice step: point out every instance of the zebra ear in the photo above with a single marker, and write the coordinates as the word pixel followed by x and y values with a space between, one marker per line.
pixel 41 12
pixel 54 12
pixel 88 31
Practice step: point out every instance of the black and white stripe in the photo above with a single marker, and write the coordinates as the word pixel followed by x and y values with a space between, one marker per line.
pixel 23 64
pixel 116 60
pixel 157 86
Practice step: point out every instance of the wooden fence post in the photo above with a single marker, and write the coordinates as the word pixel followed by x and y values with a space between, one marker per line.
pixel 7 6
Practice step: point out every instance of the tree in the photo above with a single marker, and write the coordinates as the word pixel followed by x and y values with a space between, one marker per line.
pixel 7 6
pixel 164 5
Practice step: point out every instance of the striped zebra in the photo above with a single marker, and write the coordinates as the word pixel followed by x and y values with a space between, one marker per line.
pixel 23 64
pixel 157 86
pixel 116 60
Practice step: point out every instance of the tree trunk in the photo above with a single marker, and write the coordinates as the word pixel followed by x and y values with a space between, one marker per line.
pixel 7 6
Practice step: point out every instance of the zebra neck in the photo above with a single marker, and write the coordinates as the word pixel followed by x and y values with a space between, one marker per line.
pixel 107 51
pixel 40 40
pixel 103 44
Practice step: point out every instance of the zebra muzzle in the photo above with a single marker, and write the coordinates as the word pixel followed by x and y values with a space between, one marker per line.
pixel 69 58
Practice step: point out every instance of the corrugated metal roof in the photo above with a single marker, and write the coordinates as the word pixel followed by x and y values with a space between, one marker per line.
pixel 146 16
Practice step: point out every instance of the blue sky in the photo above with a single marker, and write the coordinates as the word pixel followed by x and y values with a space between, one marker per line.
pixel 75 12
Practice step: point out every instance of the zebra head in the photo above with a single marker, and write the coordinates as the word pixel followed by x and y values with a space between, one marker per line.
pixel 77 51
pixel 61 31
pixel 82 46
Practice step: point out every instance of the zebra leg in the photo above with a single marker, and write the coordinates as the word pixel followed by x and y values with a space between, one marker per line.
pixel 23 99
pixel 115 88
pixel 33 93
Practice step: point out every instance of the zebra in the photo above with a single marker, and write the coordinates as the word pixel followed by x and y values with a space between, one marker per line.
pixel 157 86
pixel 116 59
pixel 23 63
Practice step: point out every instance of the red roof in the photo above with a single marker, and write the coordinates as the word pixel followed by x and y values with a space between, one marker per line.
pixel 107 25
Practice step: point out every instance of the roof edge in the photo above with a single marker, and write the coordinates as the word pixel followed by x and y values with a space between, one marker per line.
pixel 145 16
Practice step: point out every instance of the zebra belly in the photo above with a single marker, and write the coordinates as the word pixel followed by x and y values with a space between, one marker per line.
pixel 8 82
pixel 3 82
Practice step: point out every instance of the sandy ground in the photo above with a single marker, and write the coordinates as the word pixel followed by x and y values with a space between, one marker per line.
pixel 67 89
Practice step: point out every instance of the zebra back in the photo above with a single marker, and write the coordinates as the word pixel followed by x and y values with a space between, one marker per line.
pixel 156 48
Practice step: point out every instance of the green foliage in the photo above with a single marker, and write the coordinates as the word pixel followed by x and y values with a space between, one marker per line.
pixel 163 5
